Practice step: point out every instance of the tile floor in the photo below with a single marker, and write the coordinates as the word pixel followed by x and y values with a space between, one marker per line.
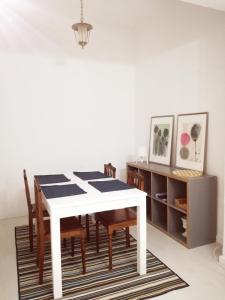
pixel 199 267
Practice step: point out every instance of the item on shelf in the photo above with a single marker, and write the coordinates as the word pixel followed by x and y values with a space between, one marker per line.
pixel 187 173
pixel 142 154
pixel 161 196
pixel 181 203
pixel 184 224
pixel 184 234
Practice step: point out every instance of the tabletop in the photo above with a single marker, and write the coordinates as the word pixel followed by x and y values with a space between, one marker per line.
pixel 92 194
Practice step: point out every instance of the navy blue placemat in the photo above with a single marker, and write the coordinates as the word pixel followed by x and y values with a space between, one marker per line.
pixel 57 191
pixel 48 179
pixel 90 175
pixel 110 185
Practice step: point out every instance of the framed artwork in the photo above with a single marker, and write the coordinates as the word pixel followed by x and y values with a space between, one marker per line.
pixel 161 135
pixel 191 141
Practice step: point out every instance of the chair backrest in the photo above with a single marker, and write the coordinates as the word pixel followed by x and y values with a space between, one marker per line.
pixel 135 179
pixel 40 216
pixel 27 190
pixel 109 170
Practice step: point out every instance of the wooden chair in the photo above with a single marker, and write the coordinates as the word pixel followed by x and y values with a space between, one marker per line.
pixel 135 179
pixel 109 170
pixel 116 219
pixel 32 211
pixel 69 228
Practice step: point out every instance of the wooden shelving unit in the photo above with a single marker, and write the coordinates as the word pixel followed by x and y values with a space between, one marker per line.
pixel 201 195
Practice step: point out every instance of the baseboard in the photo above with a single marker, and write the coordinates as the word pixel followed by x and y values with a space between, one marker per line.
pixel 222 261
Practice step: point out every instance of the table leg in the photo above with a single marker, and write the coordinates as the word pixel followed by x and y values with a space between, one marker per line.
pixel 56 257
pixel 141 238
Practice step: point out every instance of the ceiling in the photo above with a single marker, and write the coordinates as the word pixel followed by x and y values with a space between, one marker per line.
pixel 44 26
pixel 215 4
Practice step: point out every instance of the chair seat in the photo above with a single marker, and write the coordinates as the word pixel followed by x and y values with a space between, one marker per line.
pixel 34 211
pixel 114 217
pixel 120 218
pixel 68 226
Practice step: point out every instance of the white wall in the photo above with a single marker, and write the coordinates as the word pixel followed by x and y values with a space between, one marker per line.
pixel 182 70
pixel 61 115
pixel 62 108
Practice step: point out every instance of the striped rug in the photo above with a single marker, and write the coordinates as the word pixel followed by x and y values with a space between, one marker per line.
pixel 123 283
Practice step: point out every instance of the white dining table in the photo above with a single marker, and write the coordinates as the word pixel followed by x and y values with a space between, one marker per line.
pixel 91 202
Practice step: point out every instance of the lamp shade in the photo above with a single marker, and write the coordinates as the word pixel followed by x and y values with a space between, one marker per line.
pixel 142 153
pixel 82 33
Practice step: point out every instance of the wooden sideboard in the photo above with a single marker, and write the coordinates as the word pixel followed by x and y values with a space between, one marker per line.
pixel 200 194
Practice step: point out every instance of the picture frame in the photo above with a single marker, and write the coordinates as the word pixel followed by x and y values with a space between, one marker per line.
pixel 160 142
pixel 191 141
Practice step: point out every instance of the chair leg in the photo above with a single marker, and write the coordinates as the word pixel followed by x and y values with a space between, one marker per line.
pixel 97 236
pixel 82 248
pixel 72 245
pixel 41 261
pixel 38 250
pixel 31 238
pixel 87 227
pixel 64 243
pixel 127 237
pixel 35 226
pixel 80 219
pixel 110 251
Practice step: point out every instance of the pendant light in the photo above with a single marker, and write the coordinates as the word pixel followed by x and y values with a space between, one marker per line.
pixel 82 30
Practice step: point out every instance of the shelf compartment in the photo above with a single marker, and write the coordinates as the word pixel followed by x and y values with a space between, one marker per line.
pixel 132 169
pixel 177 208
pixel 159 200
pixel 176 190
pixel 175 224
pixel 147 181
pixel 159 184
pixel 178 237
pixel 159 214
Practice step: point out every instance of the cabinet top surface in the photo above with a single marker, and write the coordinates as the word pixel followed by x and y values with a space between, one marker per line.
pixel 164 170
